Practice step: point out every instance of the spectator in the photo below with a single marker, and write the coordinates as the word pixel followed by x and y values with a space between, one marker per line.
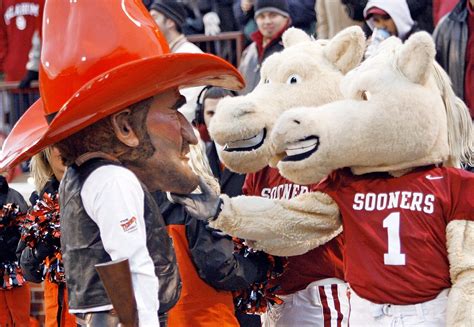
pixel 454 38
pixel 332 17
pixel 208 266
pixel 19 20
pixel 272 18
pixel 170 16
pixel 392 16
pixel 441 8
pixel 230 182
pixel 47 171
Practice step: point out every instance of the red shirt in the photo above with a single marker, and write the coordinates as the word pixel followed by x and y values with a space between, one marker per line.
pixel 469 71
pixel 19 19
pixel 395 230
pixel 323 262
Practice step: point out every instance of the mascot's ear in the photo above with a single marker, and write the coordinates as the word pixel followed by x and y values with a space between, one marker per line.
pixel 346 49
pixel 294 36
pixel 415 57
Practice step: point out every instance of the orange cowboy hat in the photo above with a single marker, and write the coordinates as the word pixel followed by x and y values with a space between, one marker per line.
pixel 98 57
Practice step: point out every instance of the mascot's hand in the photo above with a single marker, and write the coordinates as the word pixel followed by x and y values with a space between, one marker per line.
pixel 460 311
pixel 203 206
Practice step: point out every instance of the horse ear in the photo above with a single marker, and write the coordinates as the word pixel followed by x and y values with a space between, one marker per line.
pixel 294 36
pixel 415 57
pixel 346 49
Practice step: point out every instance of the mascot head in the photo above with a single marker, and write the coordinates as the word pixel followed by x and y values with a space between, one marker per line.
pixel 399 112
pixel 305 73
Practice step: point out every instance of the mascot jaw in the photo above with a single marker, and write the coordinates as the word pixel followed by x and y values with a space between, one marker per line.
pixel 301 149
pixel 248 144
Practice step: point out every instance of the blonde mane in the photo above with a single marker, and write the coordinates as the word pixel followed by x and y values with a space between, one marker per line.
pixel 460 129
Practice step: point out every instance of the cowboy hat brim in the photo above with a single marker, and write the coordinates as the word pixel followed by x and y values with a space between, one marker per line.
pixel 111 92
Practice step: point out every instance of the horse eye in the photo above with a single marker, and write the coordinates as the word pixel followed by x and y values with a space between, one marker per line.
pixel 365 95
pixel 294 79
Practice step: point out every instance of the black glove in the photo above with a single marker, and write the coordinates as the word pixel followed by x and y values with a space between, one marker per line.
pixel 30 76
pixel 204 206
pixel 44 250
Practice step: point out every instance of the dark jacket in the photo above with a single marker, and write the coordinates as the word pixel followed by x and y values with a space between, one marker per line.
pixel 231 183
pixel 212 252
pixel 451 37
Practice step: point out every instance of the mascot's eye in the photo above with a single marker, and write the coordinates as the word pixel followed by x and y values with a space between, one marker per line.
pixel 365 95
pixel 266 81
pixel 294 79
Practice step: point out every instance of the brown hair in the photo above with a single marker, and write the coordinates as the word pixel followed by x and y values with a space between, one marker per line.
pixel 100 136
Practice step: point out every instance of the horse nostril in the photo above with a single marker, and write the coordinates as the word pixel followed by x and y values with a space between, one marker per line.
pixel 296 121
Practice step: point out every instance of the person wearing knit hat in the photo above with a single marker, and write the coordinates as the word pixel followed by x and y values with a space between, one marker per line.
pixel 276 6
pixel 172 10
pixel 170 16
pixel 272 18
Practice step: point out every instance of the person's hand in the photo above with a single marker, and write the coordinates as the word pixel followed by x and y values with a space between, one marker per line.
pixel 30 76
pixel 204 206
pixel 211 23
pixel 246 5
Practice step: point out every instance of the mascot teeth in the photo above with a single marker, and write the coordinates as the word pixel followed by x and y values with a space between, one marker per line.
pixel 249 144
pixel 302 149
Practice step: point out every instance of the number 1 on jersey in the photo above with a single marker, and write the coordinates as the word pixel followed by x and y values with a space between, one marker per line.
pixel 394 257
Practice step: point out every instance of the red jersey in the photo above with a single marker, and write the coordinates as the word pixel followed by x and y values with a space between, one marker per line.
pixel 322 262
pixel 19 19
pixel 395 230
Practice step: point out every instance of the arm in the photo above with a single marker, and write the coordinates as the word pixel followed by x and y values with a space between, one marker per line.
pixel 321 21
pixel 281 227
pixel 460 242
pixel 216 262
pixel 278 227
pixel 111 195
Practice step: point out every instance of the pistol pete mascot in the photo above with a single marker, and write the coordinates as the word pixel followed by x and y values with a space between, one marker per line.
pixel 109 104
pixel 388 160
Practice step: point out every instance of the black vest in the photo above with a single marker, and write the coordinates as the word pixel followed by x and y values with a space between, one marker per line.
pixel 82 246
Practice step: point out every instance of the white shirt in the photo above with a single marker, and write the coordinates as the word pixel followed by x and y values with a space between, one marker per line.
pixel 114 199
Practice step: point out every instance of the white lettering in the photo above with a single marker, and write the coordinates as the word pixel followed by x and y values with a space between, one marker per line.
pixel 370 200
pixel 393 199
pixel 265 193
pixel 416 202
pixel 429 204
pixel 358 201
pixel 404 203
pixel 382 200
